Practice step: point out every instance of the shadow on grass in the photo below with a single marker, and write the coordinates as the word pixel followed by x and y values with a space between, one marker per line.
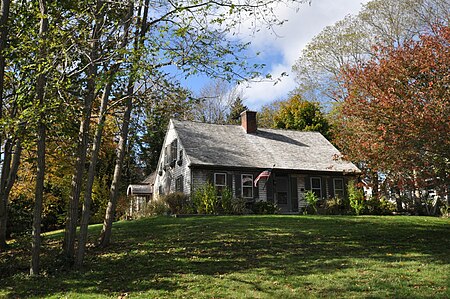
pixel 151 253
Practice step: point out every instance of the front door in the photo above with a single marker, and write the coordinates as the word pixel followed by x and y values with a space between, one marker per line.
pixel 282 193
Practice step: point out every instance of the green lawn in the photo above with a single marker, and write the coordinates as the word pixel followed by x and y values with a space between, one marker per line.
pixel 250 257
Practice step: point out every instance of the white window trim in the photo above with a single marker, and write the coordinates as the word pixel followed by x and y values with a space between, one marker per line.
pixel 320 182
pixel 334 186
pixel 242 185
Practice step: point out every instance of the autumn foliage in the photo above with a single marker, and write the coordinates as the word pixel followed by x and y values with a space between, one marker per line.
pixel 396 114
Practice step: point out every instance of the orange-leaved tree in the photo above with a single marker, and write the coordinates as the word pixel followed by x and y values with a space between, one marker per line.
pixel 396 116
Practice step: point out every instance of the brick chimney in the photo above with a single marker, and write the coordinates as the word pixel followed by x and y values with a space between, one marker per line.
pixel 248 121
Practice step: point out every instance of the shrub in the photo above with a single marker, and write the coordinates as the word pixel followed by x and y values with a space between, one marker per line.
pixel 227 198
pixel 178 203
pixel 156 208
pixel 264 207
pixel 336 206
pixel 205 200
pixel 380 206
pixel 20 216
pixel 356 198
pixel 238 205
pixel 311 200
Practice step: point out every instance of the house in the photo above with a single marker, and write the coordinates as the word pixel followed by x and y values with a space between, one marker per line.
pixel 140 194
pixel 234 155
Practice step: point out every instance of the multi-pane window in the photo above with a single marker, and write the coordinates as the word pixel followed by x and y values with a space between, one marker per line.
pixel 220 182
pixel 247 185
pixel 338 185
pixel 316 186
pixel 179 184
pixel 173 150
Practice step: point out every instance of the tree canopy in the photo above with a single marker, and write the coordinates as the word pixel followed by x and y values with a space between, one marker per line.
pixel 396 116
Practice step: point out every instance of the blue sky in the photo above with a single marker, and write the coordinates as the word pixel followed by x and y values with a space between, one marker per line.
pixel 280 51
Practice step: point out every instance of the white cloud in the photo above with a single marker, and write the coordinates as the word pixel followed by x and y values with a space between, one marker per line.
pixel 289 41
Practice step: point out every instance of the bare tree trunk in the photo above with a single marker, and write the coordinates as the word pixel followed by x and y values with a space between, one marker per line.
pixel 4 14
pixel 40 171
pixel 95 151
pixel 83 138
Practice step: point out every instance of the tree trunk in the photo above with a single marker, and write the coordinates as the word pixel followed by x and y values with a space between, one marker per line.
pixel 90 179
pixel 40 171
pixel 10 178
pixel 83 138
pixel 4 15
pixel 95 150
pixel 105 236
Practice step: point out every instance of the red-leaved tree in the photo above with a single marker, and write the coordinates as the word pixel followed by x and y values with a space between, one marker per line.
pixel 396 115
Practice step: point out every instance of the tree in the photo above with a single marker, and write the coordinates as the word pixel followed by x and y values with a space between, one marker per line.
pixel 298 114
pixel 4 16
pixel 215 101
pixel 41 139
pixel 237 107
pixel 350 41
pixel 158 108
pixel 86 213
pixel 266 116
pixel 320 62
pixel 93 53
pixel 395 117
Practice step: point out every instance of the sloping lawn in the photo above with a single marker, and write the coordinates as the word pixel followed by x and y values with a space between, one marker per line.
pixel 249 257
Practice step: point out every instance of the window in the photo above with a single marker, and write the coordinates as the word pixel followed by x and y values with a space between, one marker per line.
pixel 220 182
pixel 180 157
pixel 247 185
pixel 173 150
pixel 338 185
pixel 179 182
pixel 316 186
pixel 166 155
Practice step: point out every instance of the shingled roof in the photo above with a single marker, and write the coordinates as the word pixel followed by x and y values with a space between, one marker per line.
pixel 231 146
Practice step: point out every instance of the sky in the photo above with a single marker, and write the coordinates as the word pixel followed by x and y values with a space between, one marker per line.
pixel 280 51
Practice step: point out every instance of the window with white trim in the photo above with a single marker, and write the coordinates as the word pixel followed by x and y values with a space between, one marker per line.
pixel 220 182
pixel 247 185
pixel 316 186
pixel 338 185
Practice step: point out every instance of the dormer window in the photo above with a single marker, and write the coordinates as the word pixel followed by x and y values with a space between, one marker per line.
pixel 173 150
pixel 180 158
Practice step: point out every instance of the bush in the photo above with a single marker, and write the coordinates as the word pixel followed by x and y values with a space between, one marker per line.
pixel 380 206
pixel 238 205
pixel 356 198
pixel 205 200
pixel 311 200
pixel 178 203
pixel 227 200
pixel 264 207
pixel 20 216
pixel 156 208
pixel 336 206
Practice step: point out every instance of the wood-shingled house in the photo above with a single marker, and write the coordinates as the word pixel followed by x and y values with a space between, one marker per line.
pixel 233 156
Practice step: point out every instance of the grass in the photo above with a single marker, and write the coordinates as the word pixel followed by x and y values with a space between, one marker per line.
pixel 249 257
